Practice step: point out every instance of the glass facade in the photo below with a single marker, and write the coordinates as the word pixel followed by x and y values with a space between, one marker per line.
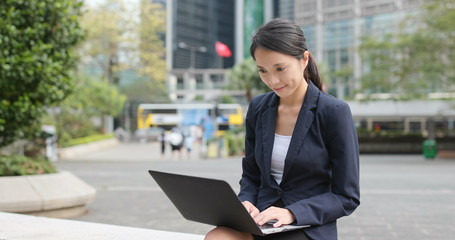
pixel 310 35
pixel 253 18
pixel 338 35
pixel 378 24
pixel 200 23
pixel 338 44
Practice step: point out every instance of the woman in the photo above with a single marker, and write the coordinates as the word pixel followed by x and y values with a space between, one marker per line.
pixel 301 163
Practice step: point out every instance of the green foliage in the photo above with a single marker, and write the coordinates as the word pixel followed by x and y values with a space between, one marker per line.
pixel 236 141
pixel 91 98
pixel 365 133
pixel 227 99
pixel 18 165
pixel 88 139
pixel 376 54
pixel 113 30
pixel 108 27
pixel 37 39
pixel 151 47
pixel 324 73
pixel 417 60
pixel 145 90
pixel 244 75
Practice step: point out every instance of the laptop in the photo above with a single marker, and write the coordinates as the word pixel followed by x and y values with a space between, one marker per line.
pixel 212 202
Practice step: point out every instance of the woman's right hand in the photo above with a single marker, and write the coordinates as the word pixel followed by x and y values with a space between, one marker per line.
pixel 251 208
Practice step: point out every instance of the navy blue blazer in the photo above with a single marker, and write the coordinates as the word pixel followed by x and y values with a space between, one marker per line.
pixel 321 174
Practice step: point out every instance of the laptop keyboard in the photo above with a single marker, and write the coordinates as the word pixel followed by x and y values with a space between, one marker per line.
pixel 266 225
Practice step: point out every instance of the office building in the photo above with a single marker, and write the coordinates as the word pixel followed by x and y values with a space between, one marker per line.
pixel 195 71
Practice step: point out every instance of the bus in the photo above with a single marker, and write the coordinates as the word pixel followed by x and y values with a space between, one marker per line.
pixel 207 115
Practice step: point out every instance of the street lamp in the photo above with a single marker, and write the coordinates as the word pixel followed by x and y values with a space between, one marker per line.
pixel 193 50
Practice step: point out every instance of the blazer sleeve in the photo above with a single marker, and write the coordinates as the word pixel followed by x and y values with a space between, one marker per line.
pixel 250 181
pixel 342 146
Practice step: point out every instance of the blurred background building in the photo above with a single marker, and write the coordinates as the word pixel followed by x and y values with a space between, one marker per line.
pixel 332 29
pixel 196 71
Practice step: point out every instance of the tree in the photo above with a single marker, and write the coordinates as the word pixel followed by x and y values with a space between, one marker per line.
pixel 110 33
pixel 121 36
pixel 128 37
pixel 91 98
pixel 380 63
pixel 145 90
pixel 432 45
pixel 325 74
pixel 37 38
pixel 152 30
pixel 418 59
pixel 244 75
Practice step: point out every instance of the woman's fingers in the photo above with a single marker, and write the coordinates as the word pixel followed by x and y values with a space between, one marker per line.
pixel 282 215
pixel 252 210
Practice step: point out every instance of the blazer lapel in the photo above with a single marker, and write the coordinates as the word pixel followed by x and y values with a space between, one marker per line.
pixel 303 124
pixel 268 134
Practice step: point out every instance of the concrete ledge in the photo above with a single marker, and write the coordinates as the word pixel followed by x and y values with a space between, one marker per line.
pixel 60 194
pixel 17 227
pixel 75 151
pixel 446 154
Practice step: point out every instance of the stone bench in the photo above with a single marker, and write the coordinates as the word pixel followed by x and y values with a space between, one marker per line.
pixel 61 195
pixel 17 226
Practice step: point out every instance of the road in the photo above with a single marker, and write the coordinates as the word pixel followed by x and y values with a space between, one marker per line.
pixel 402 196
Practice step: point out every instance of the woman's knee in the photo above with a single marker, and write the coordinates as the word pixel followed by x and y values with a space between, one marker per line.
pixel 224 233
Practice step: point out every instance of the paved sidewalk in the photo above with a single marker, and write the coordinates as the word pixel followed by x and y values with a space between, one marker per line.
pixel 140 152
pixel 403 196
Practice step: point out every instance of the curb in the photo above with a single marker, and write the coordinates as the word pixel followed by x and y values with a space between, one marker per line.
pixel 78 150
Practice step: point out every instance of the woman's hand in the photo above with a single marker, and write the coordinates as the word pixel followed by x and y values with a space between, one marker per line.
pixel 252 210
pixel 282 215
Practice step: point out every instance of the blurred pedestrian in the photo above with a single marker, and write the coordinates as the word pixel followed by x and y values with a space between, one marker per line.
pixel 176 141
pixel 162 139
pixel 189 145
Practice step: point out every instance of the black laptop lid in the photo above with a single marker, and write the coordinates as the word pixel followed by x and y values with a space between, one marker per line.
pixel 206 200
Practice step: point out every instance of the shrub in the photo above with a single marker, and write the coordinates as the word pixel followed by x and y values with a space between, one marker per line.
pixel 37 38
pixel 236 141
pixel 18 165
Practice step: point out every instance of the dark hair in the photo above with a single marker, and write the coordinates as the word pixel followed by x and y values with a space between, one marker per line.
pixel 284 36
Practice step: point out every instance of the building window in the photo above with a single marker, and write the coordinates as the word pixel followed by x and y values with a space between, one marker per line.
pixel 217 81
pixel 180 83
pixel 310 36
pixel 199 81
pixel 378 24
pixel 344 57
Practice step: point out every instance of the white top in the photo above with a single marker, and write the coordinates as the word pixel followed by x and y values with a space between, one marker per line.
pixel 280 149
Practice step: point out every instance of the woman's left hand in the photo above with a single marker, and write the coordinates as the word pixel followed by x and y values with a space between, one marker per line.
pixel 282 215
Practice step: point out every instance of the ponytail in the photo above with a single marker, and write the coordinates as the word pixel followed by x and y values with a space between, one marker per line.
pixel 312 72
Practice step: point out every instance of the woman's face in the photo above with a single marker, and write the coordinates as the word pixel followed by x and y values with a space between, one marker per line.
pixel 281 72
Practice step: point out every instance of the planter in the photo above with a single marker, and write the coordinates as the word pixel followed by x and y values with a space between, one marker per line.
pixel 61 195
pixel 401 144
